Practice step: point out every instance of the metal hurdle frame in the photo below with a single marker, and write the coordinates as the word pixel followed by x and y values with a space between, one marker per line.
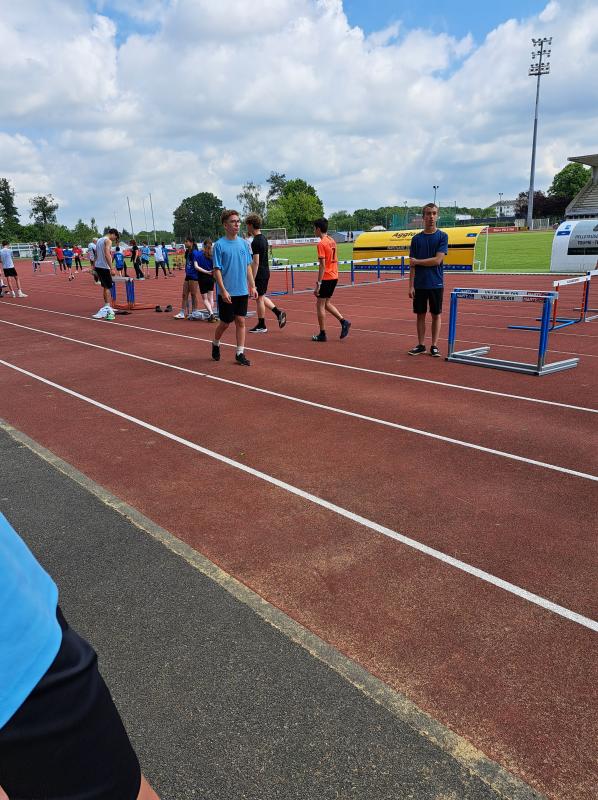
pixel 39 263
pixel 478 355
pixel 130 304
pixel 556 322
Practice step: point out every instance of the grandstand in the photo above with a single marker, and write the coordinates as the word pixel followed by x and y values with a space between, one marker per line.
pixel 585 203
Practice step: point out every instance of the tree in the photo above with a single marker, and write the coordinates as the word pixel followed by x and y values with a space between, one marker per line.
pixel 276 182
pixel 569 181
pixel 82 233
pixel 9 216
pixel 251 200
pixel 43 210
pixel 198 216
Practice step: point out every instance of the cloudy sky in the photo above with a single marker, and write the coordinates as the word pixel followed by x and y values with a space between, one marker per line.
pixel 373 103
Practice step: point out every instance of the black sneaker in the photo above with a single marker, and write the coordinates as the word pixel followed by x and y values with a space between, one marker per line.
pixel 258 329
pixel 240 359
pixel 434 351
pixel 417 350
pixel 319 337
pixel 282 319
pixel 215 352
pixel 345 325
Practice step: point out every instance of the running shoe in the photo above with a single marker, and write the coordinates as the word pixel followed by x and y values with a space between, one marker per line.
pixel 240 359
pixel 258 329
pixel 180 315
pixel 434 351
pixel 345 325
pixel 21 294
pixel 211 318
pixel 319 337
pixel 101 313
pixel 417 350
pixel 110 315
pixel 215 352
pixel 282 319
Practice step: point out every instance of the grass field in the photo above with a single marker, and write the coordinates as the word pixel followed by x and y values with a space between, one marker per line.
pixel 507 252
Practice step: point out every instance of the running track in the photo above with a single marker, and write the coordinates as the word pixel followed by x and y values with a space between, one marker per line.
pixel 434 522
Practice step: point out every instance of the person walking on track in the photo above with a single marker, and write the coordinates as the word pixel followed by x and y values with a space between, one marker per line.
pixel 261 274
pixel 327 280
pixel 232 272
pixel 104 270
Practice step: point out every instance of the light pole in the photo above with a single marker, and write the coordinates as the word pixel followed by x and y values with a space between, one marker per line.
pixel 500 194
pixel 538 68
pixel 435 189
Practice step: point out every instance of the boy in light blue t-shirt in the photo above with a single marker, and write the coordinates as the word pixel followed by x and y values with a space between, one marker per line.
pixel 232 272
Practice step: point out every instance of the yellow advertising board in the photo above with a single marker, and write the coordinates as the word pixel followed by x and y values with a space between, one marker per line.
pixel 387 244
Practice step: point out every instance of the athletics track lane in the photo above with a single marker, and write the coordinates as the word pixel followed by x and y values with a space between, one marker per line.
pixel 311 579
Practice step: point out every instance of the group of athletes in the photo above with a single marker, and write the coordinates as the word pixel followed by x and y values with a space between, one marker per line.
pixel 239 268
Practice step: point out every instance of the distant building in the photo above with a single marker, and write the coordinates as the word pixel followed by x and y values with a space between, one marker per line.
pixel 504 208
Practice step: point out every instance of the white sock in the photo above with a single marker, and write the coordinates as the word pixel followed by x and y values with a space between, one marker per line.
pixel 216 342
pixel 240 350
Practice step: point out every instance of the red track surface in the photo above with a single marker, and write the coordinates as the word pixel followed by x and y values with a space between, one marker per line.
pixel 515 679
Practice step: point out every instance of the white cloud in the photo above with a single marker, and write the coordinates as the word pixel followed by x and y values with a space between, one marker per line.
pixel 217 94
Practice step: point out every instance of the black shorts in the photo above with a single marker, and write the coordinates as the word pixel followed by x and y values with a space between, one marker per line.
pixel 67 740
pixel 104 277
pixel 425 298
pixel 327 287
pixel 228 311
pixel 206 283
pixel 10 273
pixel 261 284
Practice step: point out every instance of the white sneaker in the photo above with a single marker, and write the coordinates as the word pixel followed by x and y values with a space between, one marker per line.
pixel 110 315
pixel 21 294
pixel 102 313
pixel 13 294
pixel 180 315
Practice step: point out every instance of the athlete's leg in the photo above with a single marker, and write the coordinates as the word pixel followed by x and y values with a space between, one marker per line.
pixel 333 310
pixel 436 323
pixel 421 328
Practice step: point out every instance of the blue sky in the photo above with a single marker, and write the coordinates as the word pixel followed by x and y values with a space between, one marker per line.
pixel 196 103
pixel 455 17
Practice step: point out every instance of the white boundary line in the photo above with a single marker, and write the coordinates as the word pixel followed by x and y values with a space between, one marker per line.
pixel 321 362
pixel 320 406
pixel 487 577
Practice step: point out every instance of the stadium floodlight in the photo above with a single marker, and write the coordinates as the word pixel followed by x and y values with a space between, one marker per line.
pixel 538 68
pixel 500 194
pixel 435 190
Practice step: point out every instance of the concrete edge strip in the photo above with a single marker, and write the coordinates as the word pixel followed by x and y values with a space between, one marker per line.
pixel 473 760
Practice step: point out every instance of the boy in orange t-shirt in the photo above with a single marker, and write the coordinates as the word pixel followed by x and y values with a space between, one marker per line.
pixel 327 280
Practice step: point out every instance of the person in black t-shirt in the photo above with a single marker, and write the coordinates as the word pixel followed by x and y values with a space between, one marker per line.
pixel 261 274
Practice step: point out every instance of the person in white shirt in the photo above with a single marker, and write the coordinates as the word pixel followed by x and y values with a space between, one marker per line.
pixel 159 259
pixel 104 270
pixel 91 253
pixel 10 272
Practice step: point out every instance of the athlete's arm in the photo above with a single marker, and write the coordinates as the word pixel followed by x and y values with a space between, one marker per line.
pixel 108 254
pixel 435 261
pixel 321 270
pixel 218 278
pixel 255 264
pixel 251 279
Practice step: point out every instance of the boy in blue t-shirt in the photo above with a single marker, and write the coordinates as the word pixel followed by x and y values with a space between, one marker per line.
pixel 119 261
pixel 426 283
pixel 232 261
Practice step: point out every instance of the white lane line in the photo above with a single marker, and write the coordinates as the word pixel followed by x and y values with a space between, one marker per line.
pixel 335 364
pixel 343 512
pixel 320 406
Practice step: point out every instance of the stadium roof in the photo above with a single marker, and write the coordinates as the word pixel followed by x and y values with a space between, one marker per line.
pixel 590 161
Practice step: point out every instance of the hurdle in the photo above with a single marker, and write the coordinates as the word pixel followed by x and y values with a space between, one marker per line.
pixel 478 355
pixel 39 263
pixel 556 322
pixel 130 303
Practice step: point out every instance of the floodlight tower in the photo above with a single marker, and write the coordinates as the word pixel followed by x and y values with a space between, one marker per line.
pixel 435 190
pixel 539 68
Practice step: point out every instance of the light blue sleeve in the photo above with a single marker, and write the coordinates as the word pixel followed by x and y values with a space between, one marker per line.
pixel 30 635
